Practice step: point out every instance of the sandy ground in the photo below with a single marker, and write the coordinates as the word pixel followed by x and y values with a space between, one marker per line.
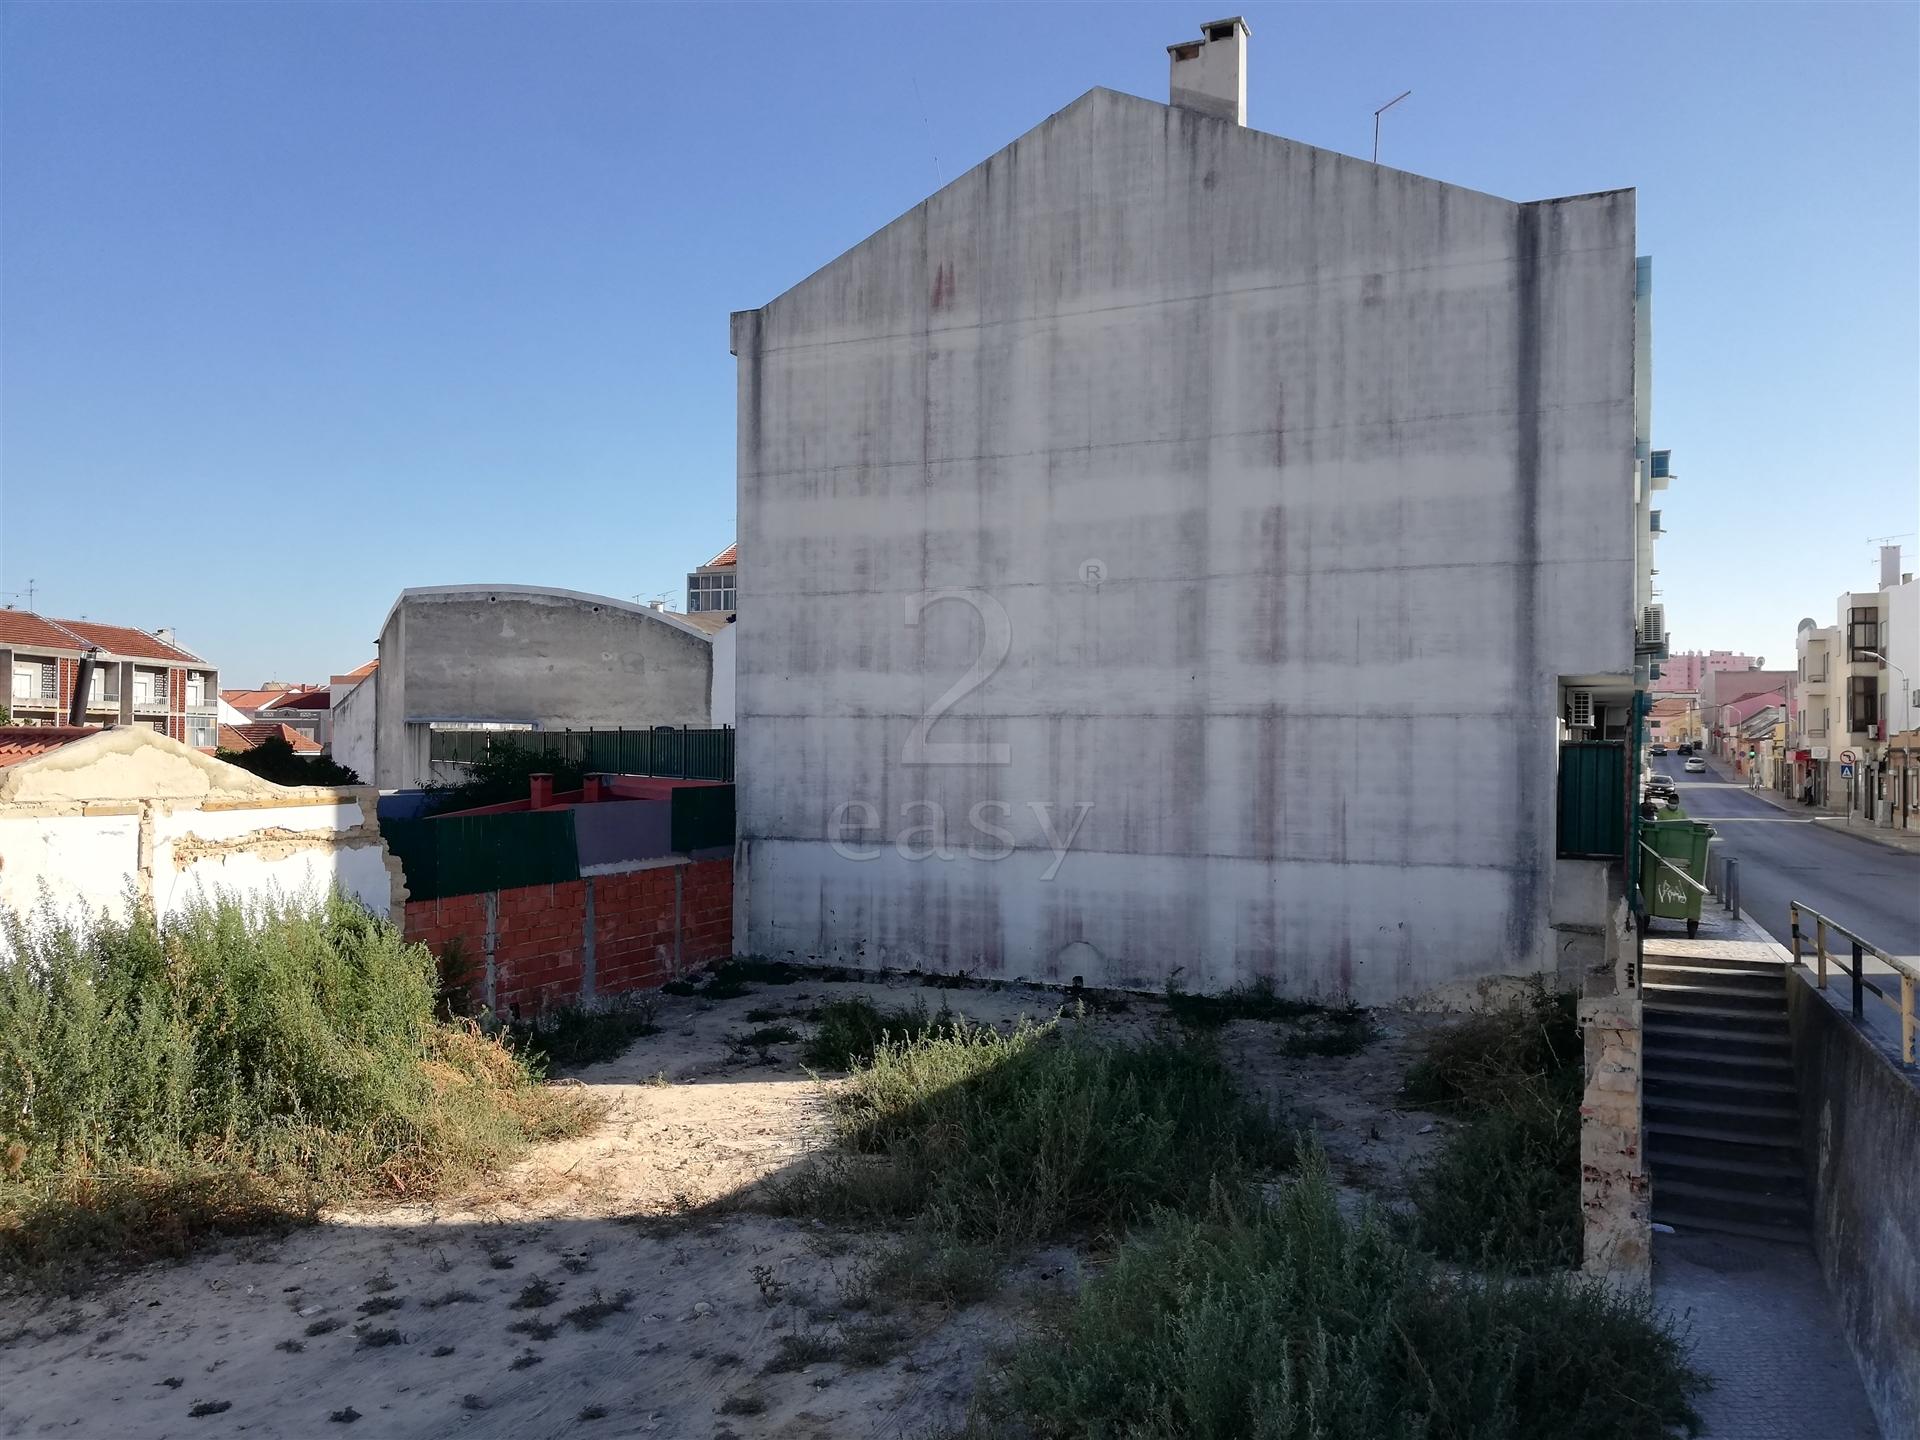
pixel 466 1318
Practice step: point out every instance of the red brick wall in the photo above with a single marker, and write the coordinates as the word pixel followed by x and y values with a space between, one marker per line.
pixel 540 941
pixel 539 946
pixel 633 928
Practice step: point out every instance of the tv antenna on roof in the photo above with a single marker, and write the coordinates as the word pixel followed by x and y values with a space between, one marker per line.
pixel 1376 121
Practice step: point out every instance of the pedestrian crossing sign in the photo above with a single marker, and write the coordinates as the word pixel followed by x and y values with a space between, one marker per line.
pixel 1846 772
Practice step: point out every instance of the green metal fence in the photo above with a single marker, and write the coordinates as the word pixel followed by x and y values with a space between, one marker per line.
pixel 675 754
pixel 470 854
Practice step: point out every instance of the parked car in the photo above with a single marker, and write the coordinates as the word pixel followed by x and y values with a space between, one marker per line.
pixel 1695 765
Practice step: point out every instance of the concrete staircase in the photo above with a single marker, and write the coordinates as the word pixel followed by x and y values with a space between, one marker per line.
pixel 1722 1119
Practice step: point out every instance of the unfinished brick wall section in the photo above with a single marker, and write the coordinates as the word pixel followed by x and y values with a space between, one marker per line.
pixel 541 946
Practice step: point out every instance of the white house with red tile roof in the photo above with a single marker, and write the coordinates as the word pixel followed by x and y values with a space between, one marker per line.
pixel 714 587
pixel 140 678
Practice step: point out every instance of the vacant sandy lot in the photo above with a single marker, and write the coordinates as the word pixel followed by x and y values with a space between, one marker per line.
pixel 576 1294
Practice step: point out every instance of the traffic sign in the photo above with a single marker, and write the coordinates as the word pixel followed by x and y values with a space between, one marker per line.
pixel 1847 757
pixel 1846 771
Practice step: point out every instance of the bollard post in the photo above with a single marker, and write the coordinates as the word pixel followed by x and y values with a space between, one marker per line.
pixel 1793 914
pixel 1820 945
pixel 1906 1020
pixel 1859 990
pixel 1733 886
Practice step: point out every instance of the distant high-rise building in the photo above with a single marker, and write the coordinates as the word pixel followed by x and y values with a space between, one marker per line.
pixel 1681 674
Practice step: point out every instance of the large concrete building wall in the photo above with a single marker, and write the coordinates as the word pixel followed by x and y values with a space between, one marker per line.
pixel 1251 498
pixel 552 659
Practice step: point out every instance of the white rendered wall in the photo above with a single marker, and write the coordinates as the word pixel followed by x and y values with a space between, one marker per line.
pixel 1254 498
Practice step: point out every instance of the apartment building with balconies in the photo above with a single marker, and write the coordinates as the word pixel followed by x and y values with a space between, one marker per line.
pixel 715 585
pixel 1853 691
pixel 1810 723
pixel 138 677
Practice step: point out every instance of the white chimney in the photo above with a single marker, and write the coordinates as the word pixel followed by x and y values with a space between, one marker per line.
pixel 164 635
pixel 1889 566
pixel 1210 74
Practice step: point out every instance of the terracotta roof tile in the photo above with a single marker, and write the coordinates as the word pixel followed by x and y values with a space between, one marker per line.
pixel 20 627
pixel 125 640
pixel 728 556
pixel 251 699
pixel 24 742
pixel 248 737
pixel 354 675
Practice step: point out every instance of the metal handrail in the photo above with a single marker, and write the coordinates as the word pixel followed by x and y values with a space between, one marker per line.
pixel 1908 972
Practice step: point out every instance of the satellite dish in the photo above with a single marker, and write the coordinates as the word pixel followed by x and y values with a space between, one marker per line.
pixel 1806 624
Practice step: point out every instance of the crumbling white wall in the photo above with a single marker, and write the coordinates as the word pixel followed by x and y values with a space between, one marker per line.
pixel 1245 501
pixel 130 815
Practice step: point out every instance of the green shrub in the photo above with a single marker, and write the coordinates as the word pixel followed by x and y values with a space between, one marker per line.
pixel 849 1031
pixel 274 759
pixel 1505 1188
pixel 1487 1057
pixel 1010 1139
pixel 1257 1000
pixel 505 773
pixel 232 1064
pixel 1291 1323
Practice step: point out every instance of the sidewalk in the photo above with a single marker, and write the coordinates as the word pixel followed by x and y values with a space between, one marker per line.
pixel 1907 841
pixel 1757 1312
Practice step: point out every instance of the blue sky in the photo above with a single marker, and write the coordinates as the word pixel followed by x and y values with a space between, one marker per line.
pixel 304 303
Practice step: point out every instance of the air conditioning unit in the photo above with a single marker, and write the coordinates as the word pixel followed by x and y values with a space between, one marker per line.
pixel 1652 639
pixel 1580 709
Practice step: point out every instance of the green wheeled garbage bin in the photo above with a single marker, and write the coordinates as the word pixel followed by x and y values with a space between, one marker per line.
pixel 1683 843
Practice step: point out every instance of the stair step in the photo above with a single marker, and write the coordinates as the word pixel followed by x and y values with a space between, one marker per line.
pixel 1670 995
pixel 1724 1018
pixel 1771 1122
pixel 1719 1089
pixel 1669 1138
pixel 1714 965
pixel 1738 1204
pixel 1690 1222
pixel 1664 1037
pixel 1745 982
pixel 1776 1176
pixel 1703 1063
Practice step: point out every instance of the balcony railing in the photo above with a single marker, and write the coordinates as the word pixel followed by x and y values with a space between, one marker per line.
pixel 150 702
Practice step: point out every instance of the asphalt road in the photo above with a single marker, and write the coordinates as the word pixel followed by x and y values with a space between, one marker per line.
pixel 1866 887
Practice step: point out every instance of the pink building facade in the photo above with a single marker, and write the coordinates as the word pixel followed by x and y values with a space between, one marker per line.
pixel 1681 674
